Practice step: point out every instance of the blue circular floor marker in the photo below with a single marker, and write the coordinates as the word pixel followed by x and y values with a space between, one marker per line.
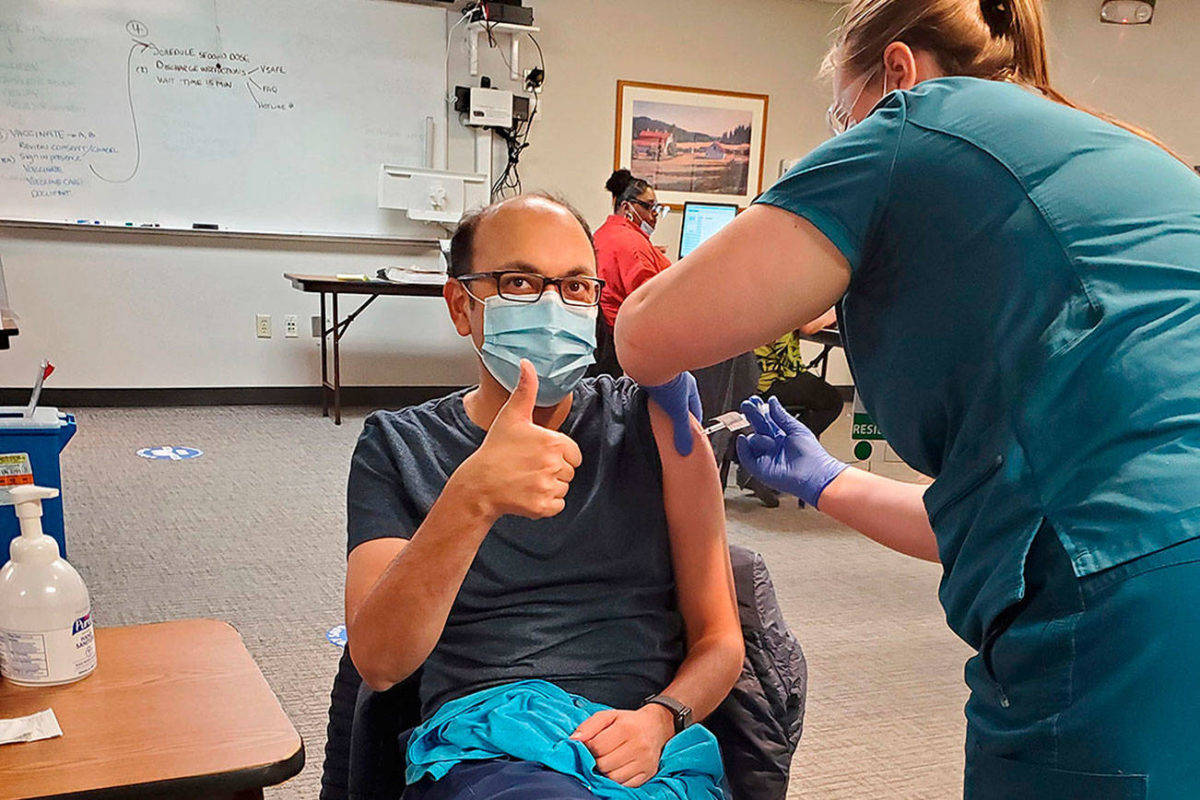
pixel 337 635
pixel 169 453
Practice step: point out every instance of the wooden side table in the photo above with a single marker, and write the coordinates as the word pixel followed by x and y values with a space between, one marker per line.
pixel 173 710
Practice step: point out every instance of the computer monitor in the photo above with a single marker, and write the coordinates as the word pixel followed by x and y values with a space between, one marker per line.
pixel 702 220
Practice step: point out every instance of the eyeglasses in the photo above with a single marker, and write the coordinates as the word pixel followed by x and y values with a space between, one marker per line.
pixel 838 117
pixel 654 208
pixel 528 287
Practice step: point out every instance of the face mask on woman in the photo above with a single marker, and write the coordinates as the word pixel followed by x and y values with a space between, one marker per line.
pixel 646 226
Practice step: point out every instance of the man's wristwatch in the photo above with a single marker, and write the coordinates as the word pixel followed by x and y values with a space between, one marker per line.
pixel 681 713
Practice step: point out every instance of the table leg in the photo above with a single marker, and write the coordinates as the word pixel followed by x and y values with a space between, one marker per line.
pixel 337 364
pixel 324 363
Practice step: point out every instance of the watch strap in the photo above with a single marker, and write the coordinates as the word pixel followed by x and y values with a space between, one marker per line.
pixel 681 713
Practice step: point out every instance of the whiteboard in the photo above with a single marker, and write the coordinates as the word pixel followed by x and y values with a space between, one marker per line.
pixel 252 115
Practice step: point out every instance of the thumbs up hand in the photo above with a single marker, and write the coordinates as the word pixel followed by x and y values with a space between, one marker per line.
pixel 521 468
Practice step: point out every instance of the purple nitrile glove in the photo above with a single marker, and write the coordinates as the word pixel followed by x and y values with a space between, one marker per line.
pixel 783 453
pixel 681 400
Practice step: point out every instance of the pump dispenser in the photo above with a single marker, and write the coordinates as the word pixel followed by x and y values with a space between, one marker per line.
pixel 46 635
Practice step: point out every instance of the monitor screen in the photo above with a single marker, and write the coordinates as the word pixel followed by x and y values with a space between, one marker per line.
pixel 702 220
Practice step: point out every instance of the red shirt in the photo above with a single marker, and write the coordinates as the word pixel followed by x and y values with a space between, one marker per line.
pixel 625 260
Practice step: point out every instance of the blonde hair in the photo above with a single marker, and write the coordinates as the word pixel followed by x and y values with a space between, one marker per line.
pixel 999 40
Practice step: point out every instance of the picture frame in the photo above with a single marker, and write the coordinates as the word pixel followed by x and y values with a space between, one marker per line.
pixel 692 144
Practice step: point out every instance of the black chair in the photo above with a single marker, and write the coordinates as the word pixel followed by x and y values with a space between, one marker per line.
pixel 606 352
pixel 758 726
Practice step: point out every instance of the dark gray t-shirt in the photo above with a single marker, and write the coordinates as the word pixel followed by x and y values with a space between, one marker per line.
pixel 585 599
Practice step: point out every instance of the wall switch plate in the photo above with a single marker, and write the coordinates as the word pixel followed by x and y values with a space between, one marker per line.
pixel 262 325
pixel 318 326
pixel 291 326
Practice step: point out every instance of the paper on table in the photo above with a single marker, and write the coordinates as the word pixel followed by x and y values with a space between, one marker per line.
pixel 42 725
pixel 433 276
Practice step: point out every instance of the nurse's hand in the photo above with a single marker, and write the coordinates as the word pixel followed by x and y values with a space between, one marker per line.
pixel 680 398
pixel 784 454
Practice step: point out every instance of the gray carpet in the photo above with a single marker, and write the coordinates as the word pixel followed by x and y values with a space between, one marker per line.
pixel 253 533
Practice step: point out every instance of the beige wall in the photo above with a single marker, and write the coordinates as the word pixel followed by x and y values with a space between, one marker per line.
pixel 768 47
pixel 1145 74
pixel 129 310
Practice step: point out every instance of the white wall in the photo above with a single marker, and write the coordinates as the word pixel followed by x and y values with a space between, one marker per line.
pixel 131 311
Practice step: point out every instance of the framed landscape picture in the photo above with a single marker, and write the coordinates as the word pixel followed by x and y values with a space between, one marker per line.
pixel 692 145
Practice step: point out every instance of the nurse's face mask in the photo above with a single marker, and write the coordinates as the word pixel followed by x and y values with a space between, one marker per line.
pixel 549 321
pixel 840 115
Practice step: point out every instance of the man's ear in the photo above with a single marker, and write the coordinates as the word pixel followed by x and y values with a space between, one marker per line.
pixel 458 303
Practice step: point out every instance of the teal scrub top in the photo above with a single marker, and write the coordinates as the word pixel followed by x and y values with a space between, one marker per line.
pixel 1023 323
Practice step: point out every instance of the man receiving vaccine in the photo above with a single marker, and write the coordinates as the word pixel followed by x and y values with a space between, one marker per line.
pixel 538 547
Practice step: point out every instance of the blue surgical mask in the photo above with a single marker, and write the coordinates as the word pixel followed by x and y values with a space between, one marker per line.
pixel 559 340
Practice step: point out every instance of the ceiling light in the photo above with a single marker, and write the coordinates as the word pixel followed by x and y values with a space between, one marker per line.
pixel 1127 12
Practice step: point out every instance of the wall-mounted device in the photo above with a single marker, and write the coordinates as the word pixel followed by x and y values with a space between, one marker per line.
pixel 484 106
pixel 490 107
pixel 430 195
pixel 1127 12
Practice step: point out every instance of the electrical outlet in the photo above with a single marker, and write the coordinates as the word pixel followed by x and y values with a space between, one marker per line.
pixel 318 326
pixel 291 326
pixel 262 325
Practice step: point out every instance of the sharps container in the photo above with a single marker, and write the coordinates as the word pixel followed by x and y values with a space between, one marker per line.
pixel 29 451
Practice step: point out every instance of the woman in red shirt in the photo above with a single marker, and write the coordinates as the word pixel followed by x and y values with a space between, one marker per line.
pixel 625 257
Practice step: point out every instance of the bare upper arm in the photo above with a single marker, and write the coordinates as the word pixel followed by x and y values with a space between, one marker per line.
pixel 764 274
pixel 364 566
pixel 695 508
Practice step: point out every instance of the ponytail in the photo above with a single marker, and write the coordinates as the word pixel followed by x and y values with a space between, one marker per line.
pixel 1000 40
pixel 1026 29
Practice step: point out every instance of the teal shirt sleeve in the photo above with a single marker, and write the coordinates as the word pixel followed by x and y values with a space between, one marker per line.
pixel 843 186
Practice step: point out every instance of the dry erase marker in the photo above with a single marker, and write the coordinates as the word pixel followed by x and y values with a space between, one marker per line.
pixel 204 226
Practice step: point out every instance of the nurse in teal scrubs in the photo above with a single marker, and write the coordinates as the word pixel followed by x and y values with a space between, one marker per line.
pixel 1018 283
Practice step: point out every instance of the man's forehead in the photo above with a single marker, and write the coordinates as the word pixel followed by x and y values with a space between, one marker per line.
pixel 533 237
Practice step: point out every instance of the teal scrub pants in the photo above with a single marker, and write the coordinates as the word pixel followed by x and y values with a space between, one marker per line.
pixel 1090 688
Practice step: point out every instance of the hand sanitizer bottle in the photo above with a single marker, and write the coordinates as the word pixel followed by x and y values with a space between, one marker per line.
pixel 46 635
